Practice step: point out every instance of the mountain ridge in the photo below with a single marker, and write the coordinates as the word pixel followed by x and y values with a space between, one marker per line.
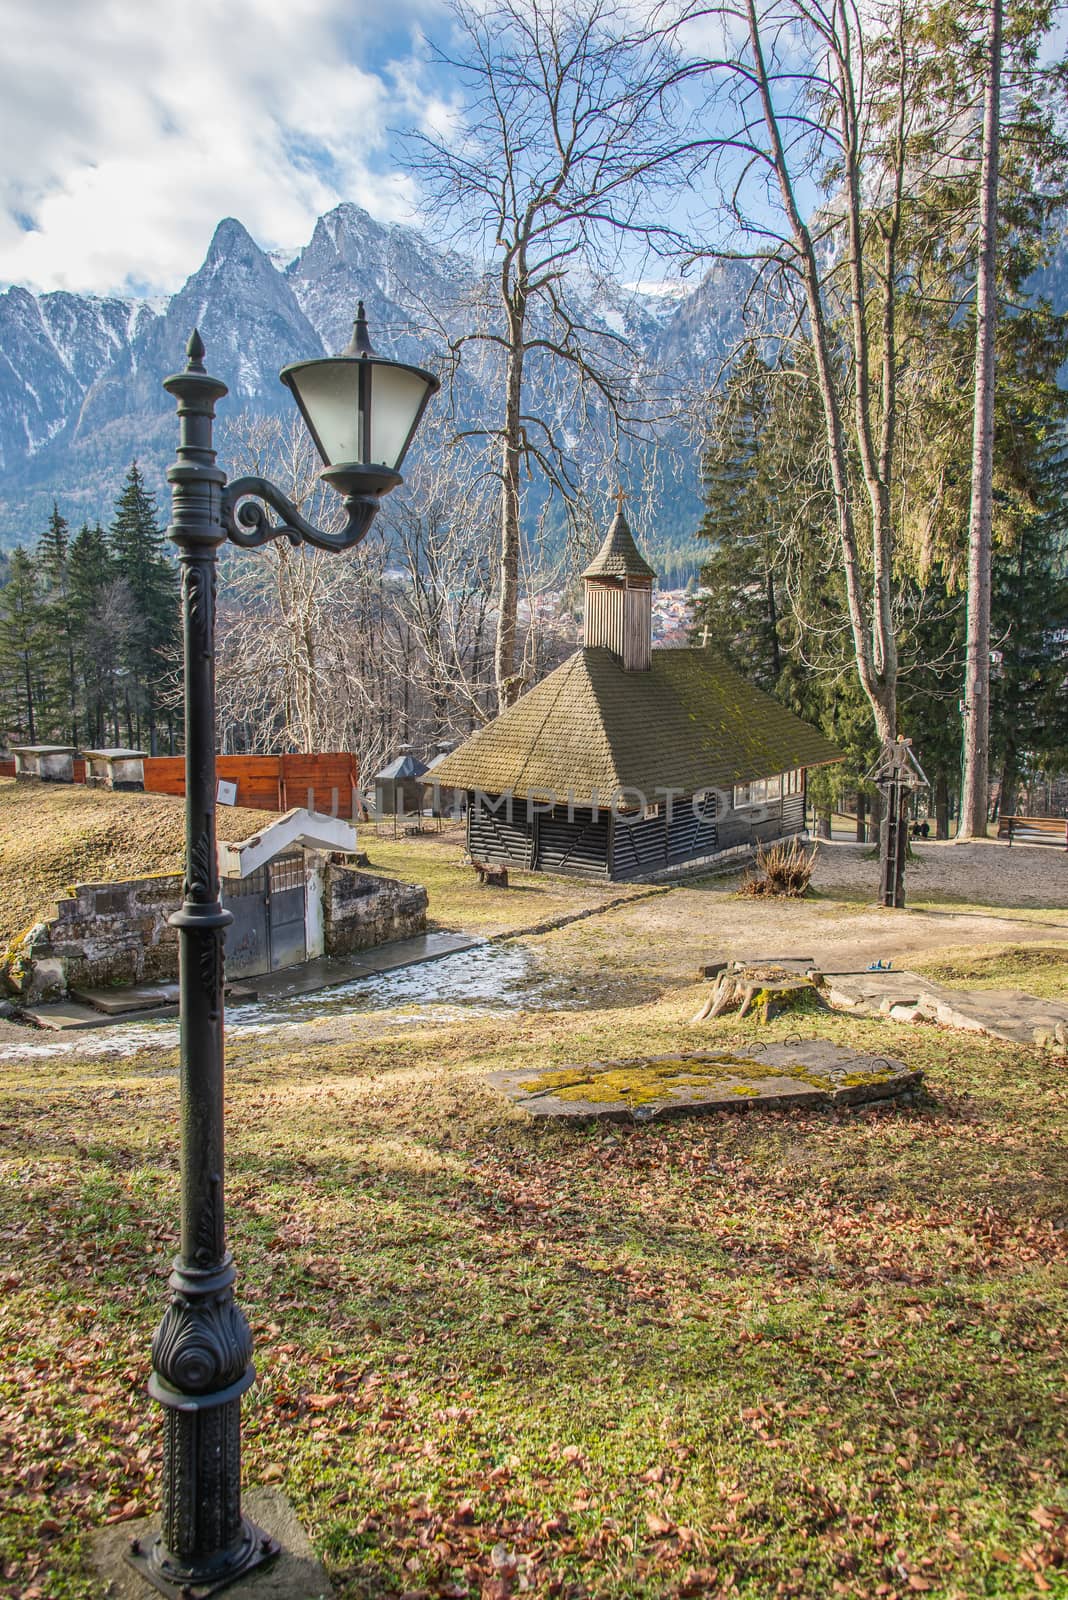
pixel 81 375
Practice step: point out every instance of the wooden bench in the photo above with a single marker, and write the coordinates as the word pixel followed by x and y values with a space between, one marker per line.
pixel 1034 830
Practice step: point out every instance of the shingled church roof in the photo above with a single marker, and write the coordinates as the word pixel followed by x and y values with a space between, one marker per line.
pixel 619 556
pixel 590 727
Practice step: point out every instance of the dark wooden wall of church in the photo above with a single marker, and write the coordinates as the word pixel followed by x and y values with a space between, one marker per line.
pixel 619 847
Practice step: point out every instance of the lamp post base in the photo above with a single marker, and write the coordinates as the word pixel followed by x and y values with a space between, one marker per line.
pixel 295 1573
pixel 173 1578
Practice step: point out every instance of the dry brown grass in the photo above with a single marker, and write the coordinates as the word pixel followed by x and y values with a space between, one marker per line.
pixel 53 836
pixel 785 870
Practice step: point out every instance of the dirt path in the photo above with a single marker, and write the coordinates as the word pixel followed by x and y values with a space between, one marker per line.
pixel 667 937
pixel 983 873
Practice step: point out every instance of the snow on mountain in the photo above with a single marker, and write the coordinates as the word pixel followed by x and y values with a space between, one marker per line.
pixel 80 375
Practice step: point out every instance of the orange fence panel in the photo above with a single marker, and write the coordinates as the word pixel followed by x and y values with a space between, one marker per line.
pixel 271 783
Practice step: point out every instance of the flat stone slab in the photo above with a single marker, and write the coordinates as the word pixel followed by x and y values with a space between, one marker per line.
pixel 808 1072
pixel 329 972
pixel 96 1008
pixel 1007 1014
pixel 138 997
pixel 297 1574
pixel 61 1016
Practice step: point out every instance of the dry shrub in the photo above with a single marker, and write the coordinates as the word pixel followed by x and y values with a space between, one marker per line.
pixel 784 870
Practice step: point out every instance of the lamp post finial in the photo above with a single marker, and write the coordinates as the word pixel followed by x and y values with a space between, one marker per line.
pixel 361 338
pixel 195 351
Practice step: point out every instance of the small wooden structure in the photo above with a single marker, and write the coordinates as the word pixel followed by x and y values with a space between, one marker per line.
pixel 52 763
pixel 767 987
pixel 115 768
pixel 441 800
pixel 399 788
pixel 898 774
pixel 325 782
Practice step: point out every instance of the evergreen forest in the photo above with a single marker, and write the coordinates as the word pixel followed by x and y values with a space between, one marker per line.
pixel 89 632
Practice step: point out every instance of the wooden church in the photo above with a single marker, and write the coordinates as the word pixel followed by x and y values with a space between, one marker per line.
pixel 628 761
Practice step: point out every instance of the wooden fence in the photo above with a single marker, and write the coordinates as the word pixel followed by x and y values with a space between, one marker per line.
pixel 270 783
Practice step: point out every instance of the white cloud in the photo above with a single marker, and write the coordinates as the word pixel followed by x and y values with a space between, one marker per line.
pixel 128 128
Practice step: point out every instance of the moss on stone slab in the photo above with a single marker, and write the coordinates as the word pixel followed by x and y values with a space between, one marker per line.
pixel 644 1081
pixel 637 1083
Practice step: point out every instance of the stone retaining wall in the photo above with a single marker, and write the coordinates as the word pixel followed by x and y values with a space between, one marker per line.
pixel 106 933
pixel 116 934
pixel 360 910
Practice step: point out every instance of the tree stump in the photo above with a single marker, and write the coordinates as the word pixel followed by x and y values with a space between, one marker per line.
pixel 765 991
pixel 490 874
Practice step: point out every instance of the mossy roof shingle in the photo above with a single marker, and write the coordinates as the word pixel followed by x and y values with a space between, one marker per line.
pixel 619 556
pixel 689 723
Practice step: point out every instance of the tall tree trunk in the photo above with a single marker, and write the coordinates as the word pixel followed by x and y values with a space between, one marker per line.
pixel 941 804
pixel 873 642
pixel 976 783
pixel 1010 775
pixel 773 624
pixel 508 585
pixel 29 698
pixel 72 684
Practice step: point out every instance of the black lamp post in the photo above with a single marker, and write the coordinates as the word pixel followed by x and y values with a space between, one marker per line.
pixel 362 411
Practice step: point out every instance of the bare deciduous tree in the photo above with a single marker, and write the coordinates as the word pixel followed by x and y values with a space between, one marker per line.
pixel 818 107
pixel 557 155
pixel 389 644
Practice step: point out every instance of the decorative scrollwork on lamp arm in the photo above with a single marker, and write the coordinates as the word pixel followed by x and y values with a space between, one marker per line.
pixel 249 525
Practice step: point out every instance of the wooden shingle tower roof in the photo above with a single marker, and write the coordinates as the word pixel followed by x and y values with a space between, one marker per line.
pixel 619 556
pixel 590 728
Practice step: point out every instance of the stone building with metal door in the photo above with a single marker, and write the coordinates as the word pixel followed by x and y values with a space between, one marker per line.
pixel 292 894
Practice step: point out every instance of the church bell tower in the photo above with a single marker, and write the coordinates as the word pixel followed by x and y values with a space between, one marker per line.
pixel 618 586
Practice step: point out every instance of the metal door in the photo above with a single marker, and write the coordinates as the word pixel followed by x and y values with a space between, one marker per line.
pixel 285 910
pixel 247 945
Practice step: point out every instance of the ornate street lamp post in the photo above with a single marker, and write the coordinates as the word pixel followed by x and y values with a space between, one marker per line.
pixel 362 411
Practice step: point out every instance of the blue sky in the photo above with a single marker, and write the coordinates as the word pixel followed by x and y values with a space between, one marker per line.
pixel 129 128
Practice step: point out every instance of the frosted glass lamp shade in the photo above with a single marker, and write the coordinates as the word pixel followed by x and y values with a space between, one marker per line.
pixel 361 409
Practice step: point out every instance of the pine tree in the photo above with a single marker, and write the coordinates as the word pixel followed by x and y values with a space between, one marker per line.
pixel 766 513
pixel 57 645
pixel 21 624
pixel 138 550
pixel 52 548
pixel 99 643
pixel 1029 603
pixel 739 614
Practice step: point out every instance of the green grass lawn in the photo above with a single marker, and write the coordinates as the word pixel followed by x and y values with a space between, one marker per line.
pixel 768 1355
pixel 1036 969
